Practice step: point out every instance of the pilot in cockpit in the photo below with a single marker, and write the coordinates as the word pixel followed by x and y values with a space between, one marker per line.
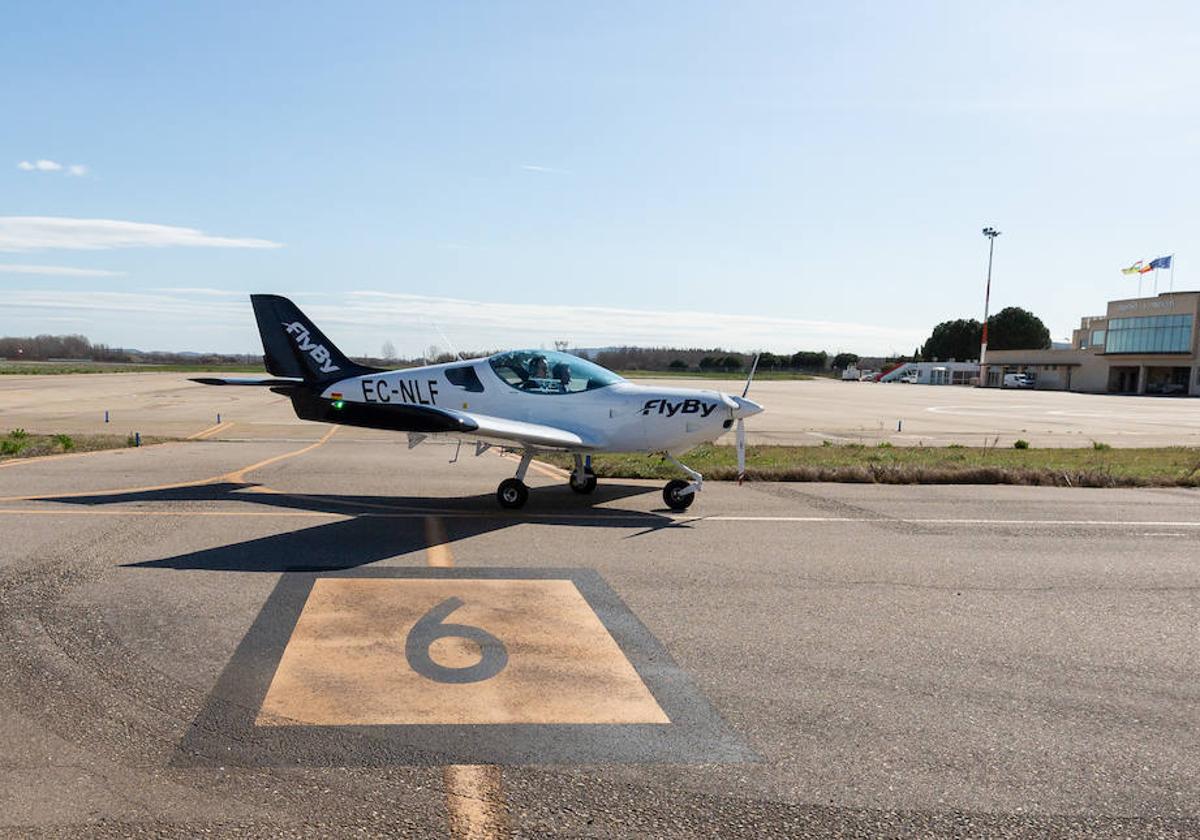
pixel 539 375
pixel 562 375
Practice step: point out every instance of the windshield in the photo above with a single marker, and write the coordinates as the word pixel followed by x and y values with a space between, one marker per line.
pixel 550 372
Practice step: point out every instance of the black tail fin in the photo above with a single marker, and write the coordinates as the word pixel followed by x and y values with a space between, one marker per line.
pixel 293 346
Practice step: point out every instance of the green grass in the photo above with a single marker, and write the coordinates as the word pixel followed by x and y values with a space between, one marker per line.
pixel 739 375
pixel 52 368
pixel 856 463
pixel 21 444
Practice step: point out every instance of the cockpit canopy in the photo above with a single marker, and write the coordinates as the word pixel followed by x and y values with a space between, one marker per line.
pixel 550 372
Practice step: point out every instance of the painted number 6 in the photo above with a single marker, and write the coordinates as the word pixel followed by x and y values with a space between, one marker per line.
pixel 430 628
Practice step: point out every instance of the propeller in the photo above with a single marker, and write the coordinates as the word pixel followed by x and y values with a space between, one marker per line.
pixel 741 424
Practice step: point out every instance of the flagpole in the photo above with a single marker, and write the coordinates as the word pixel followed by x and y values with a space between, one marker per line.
pixel 1139 284
pixel 1172 273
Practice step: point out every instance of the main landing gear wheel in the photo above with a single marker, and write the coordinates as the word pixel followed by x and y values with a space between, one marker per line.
pixel 585 485
pixel 674 496
pixel 512 493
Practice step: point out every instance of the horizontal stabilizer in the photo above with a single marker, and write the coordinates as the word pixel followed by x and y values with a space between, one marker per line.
pixel 261 383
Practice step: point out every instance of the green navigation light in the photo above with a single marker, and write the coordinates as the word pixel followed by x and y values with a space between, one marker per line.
pixel 339 404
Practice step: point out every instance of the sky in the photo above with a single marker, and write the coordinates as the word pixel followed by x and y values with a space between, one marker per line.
pixel 761 175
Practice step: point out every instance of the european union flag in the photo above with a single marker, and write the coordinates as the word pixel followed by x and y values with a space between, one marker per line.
pixel 1161 262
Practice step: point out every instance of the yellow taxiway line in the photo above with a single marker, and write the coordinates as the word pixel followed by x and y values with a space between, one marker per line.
pixel 237 476
pixel 210 431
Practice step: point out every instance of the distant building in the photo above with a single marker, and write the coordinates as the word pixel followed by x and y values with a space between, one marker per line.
pixel 934 373
pixel 1139 346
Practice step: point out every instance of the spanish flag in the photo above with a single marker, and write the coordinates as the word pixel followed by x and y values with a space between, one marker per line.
pixel 1136 268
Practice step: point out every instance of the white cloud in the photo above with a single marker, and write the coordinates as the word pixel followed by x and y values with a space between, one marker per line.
pixel 58 270
pixel 77 169
pixel 533 167
pixel 40 166
pixel 198 290
pixel 359 322
pixel 495 325
pixel 30 233
pixel 138 304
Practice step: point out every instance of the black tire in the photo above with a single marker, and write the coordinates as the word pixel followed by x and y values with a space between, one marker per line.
pixel 587 485
pixel 512 494
pixel 676 500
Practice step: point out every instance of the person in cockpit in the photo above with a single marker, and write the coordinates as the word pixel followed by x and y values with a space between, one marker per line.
pixel 539 375
pixel 562 376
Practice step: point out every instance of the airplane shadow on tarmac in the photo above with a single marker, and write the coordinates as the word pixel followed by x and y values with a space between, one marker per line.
pixel 379 527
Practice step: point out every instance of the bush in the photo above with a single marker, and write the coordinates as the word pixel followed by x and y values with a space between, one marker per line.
pixel 1100 447
pixel 1020 443
pixel 11 447
pixel 18 434
pixel 65 441
pixel 678 364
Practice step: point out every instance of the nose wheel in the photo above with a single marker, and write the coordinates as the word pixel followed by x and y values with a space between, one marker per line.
pixel 679 494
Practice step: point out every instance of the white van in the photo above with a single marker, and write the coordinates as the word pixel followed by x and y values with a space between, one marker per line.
pixel 1017 380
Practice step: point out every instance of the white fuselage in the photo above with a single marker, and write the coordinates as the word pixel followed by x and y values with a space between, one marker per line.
pixel 621 417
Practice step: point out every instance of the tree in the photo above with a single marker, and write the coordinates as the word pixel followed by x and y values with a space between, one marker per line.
pixel 1014 328
pixel 844 360
pixel 953 340
pixel 678 364
pixel 388 351
pixel 808 360
pixel 708 363
pixel 731 363
pixel 769 361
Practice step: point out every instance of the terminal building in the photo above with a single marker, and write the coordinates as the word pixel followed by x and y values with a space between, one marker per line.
pixel 1139 346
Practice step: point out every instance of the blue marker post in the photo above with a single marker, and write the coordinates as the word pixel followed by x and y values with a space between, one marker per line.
pixel 218 418
pixel 106 415
pixel 137 438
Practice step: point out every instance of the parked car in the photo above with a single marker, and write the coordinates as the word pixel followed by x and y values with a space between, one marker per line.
pixel 909 378
pixel 1018 380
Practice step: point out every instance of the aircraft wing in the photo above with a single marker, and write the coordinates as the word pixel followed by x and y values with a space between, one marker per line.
pixel 520 432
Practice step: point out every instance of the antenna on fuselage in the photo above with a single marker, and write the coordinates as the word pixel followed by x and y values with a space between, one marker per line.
pixel 453 349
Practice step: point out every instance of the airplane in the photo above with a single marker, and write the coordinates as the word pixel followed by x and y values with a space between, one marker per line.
pixel 531 400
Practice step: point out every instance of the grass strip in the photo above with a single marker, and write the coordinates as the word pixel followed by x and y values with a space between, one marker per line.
pixel 21 444
pixel 1097 466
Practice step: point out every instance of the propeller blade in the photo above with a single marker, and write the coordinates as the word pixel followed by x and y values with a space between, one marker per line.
pixel 741 449
pixel 750 378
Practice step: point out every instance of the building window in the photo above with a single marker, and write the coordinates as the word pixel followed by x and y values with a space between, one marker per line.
pixel 1152 334
pixel 1097 336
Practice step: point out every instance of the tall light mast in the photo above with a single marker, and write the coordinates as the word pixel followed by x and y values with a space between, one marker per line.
pixel 991 233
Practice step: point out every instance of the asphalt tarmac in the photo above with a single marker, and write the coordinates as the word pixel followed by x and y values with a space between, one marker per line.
pixel 328 634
